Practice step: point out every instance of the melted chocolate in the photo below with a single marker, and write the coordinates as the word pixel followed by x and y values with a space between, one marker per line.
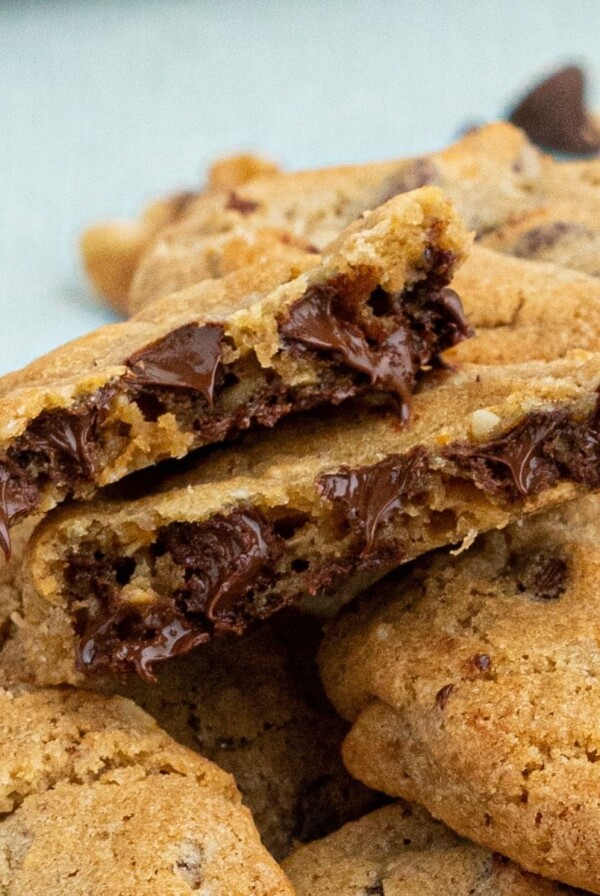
pixel 63 434
pixel 224 560
pixel 424 325
pixel 125 640
pixel 17 499
pixel 187 358
pixel 368 496
pixel 382 346
pixel 237 203
pixel 230 565
pixel 554 114
pixel 518 461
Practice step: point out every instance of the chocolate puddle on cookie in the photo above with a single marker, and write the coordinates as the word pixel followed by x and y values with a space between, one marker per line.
pixel 221 575
pixel 356 337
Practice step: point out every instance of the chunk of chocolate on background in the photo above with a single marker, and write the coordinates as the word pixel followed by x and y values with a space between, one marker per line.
pixel 554 115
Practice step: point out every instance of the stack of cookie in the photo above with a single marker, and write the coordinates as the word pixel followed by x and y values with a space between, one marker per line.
pixel 360 401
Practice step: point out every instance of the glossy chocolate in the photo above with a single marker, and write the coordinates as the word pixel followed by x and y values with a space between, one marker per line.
pixel 61 434
pixel 554 114
pixel 518 461
pixel 424 324
pixel 223 561
pixel 368 496
pixel 187 358
pixel 17 499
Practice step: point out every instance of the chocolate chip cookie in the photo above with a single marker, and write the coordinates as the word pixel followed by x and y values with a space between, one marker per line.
pixel 491 175
pixel 121 585
pixel 95 798
pixel 473 685
pixel 401 849
pixel 372 316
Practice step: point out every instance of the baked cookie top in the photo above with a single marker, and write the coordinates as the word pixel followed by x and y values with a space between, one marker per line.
pixel 400 849
pixel 97 799
pixel 473 683
pixel 491 175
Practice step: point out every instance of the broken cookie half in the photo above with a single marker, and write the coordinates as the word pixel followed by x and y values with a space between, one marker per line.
pixel 371 316
pixel 319 505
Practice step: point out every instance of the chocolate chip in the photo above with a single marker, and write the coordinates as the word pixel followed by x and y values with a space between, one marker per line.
pixel 554 114
pixel 520 455
pixel 538 239
pixel 368 496
pixel 187 358
pixel 541 574
pixel 237 203
pixel 68 434
pixel 223 561
pixel 17 498
pixel 443 695
pixel 325 320
pixel 482 661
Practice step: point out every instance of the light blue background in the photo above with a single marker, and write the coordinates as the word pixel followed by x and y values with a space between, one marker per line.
pixel 105 104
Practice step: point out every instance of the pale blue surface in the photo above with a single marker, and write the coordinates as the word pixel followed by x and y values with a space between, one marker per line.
pixel 105 104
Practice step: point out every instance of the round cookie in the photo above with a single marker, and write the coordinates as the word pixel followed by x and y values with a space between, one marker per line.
pixel 256 707
pixel 491 175
pixel 401 850
pixel 474 686
pixel 95 798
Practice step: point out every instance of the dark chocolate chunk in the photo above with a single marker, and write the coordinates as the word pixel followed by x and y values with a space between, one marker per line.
pixel 541 574
pixel 423 325
pixel 237 203
pixel 136 639
pixel 17 499
pixel 64 433
pixel 312 321
pixel 443 695
pixel 186 358
pixel 368 496
pixel 554 114
pixel 538 239
pixel 518 459
pixel 223 559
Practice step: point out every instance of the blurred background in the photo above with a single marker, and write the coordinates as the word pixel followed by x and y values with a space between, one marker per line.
pixel 106 104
